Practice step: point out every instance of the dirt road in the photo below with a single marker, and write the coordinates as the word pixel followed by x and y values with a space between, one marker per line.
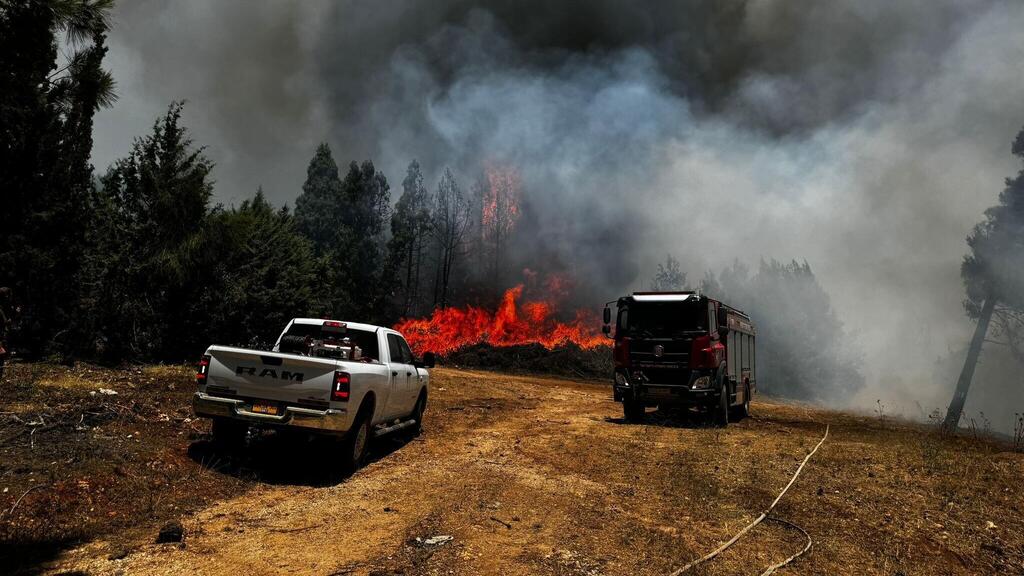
pixel 540 476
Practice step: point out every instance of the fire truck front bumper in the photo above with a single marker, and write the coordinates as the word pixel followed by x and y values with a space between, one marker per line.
pixel 698 389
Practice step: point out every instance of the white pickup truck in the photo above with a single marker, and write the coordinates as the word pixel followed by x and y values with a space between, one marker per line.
pixel 347 380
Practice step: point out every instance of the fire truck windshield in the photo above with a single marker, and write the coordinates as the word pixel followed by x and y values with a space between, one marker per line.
pixel 662 319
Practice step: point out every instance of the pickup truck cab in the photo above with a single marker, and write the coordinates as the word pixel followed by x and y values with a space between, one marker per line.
pixel 327 377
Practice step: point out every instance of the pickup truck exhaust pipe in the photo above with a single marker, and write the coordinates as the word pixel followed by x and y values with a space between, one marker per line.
pixel 394 428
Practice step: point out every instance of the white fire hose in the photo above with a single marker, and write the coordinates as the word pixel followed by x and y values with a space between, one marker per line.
pixel 764 515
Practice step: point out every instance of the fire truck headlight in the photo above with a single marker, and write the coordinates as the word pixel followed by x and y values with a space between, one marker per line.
pixel 620 380
pixel 702 382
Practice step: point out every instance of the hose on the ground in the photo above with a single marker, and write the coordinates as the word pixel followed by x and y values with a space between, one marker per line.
pixel 771 569
pixel 758 520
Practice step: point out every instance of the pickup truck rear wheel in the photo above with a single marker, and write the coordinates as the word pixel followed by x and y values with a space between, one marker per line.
pixel 356 444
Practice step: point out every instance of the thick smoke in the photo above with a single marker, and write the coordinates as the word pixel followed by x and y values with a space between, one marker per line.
pixel 866 137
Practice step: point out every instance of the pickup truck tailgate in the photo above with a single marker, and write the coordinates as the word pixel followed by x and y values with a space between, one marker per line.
pixel 270 376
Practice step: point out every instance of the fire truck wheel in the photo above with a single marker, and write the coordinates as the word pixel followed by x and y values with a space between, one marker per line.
pixel 743 410
pixel 633 410
pixel 721 412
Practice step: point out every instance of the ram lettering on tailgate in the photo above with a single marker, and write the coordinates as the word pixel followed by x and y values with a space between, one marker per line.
pixel 268 372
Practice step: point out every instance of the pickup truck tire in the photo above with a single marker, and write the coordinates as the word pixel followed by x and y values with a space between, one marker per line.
pixel 633 410
pixel 356 443
pixel 720 412
pixel 229 433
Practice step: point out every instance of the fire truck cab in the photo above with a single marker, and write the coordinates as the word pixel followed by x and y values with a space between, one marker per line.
pixel 682 349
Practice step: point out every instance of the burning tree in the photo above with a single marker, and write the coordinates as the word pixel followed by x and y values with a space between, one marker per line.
pixel 993 274
pixel 499 195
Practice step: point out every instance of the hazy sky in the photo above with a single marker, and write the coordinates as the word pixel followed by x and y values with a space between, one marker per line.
pixel 865 136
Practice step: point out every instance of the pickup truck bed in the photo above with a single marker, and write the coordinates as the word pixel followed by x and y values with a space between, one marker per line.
pixel 370 383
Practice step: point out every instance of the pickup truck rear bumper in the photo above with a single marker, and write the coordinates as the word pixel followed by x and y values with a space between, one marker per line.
pixel 330 420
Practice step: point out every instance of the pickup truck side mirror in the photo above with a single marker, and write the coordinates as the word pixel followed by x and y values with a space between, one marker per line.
pixel 428 360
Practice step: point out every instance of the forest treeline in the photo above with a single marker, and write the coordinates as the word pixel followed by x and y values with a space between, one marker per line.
pixel 136 262
pixel 144 266
pixel 139 263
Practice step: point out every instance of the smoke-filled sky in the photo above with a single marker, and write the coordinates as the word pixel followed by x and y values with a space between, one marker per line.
pixel 865 136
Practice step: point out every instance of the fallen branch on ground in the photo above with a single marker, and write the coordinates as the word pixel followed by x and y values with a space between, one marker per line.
pixel 502 522
pixel 22 497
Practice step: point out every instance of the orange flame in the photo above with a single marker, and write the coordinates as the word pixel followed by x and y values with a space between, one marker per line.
pixel 533 322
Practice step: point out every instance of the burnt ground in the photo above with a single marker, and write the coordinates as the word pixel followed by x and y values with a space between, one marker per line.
pixel 527 475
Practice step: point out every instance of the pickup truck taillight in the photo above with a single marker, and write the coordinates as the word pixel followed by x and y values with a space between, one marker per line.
pixel 621 353
pixel 203 369
pixel 342 387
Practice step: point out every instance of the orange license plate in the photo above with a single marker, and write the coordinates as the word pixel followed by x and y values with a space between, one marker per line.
pixel 265 409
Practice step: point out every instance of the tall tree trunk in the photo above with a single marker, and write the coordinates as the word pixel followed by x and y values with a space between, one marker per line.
pixel 416 277
pixel 438 272
pixel 408 281
pixel 956 406
pixel 448 255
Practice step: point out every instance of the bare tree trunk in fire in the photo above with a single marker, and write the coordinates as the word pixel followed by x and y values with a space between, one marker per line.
pixel 499 213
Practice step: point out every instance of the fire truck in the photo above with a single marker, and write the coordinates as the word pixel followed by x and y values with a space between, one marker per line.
pixel 682 349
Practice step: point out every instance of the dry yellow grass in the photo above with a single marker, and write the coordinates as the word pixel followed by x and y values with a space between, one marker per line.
pixel 541 476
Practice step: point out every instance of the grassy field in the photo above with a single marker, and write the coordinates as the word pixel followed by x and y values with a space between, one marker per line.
pixel 528 475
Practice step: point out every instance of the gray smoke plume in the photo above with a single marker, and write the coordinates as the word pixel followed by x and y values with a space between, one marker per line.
pixel 866 137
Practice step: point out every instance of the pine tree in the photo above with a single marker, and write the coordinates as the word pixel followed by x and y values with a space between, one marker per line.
pixel 260 273
pixel 146 262
pixel 669 277
pixel 318 210
pixel 46 115
pixel 344 219
pixel 410 225
pixel 367 203
pixel 993 274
